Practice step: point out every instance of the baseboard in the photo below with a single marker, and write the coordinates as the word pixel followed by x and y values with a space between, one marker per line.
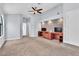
pixel 2 43
pixel 71 44
pixel 16 38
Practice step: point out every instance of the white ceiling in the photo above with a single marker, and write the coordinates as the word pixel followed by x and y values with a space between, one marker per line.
pixel 23 8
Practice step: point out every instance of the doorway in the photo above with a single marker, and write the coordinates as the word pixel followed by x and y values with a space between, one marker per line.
pixel 24 32
pixel 25 29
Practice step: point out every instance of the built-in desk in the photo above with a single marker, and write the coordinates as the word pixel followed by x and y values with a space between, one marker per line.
pixel 52 35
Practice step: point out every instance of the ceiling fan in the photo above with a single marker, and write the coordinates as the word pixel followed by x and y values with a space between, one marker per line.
pixel 36 10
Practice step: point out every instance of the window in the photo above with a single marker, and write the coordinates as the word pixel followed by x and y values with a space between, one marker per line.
pixel 1 26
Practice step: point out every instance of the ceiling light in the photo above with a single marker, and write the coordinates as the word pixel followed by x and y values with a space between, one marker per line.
pixel 61 20
pixel 49 22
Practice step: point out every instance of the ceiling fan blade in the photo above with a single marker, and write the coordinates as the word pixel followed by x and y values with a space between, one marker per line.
pixel 30 11
pixel 39 9
pixel 33 8
pixel 34 13
pixel 40 12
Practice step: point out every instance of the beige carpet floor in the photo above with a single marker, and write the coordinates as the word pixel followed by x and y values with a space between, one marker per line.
pixel 36 47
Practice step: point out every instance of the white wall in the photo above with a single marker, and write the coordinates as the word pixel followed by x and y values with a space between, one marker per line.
pixel 71 23
pixel 12 26
pixel 1 9
pixel 52 13
pixel 33 25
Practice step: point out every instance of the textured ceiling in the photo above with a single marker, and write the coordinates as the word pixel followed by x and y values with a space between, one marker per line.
pixel 23 8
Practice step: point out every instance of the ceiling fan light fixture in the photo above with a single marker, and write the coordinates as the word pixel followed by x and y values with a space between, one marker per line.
pixel 36 10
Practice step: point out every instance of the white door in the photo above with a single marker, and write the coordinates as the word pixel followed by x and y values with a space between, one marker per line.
pixel 24 30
